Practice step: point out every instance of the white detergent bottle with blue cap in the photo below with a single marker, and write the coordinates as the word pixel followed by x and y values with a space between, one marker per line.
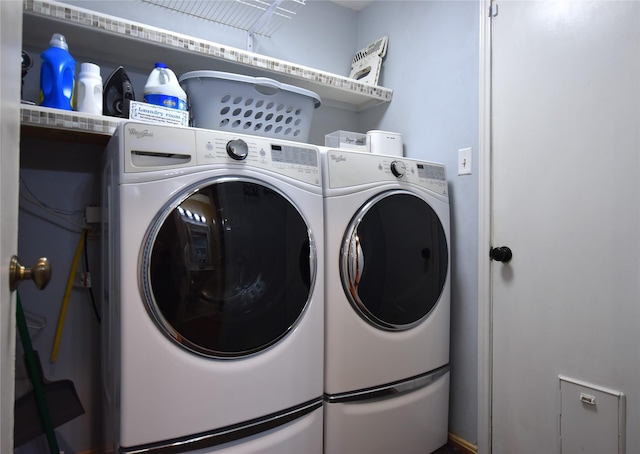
pixel 163 89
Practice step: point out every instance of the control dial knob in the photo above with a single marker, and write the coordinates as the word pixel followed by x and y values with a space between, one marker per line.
pixel 398 168
pixel 237 149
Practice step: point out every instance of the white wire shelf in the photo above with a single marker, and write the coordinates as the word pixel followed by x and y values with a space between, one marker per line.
pixel 262 17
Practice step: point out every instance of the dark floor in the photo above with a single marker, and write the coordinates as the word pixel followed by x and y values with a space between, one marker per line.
pixel 447 449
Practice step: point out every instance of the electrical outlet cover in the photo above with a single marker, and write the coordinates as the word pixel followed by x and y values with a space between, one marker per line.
pixel 464 161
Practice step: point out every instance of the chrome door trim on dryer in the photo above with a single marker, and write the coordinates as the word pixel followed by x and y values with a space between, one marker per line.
pixel 405 284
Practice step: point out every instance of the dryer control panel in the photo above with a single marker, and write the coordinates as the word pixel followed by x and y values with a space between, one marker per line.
pixel 348 168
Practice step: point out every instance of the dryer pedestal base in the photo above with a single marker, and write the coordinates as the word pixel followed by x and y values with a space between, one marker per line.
pixel 416 422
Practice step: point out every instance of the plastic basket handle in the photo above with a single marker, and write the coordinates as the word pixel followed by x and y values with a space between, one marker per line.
pixel 268 87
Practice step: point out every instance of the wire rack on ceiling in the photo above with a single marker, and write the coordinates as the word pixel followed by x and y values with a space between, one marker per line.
pixel 262 17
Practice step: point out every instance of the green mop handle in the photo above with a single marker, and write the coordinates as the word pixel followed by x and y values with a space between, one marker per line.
pixel 36 378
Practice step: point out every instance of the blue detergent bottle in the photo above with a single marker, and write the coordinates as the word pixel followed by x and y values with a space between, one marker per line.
pixel 57 75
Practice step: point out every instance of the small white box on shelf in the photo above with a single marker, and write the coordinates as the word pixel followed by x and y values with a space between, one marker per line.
pixel 347 140
pixel 385 142
pixel 150 113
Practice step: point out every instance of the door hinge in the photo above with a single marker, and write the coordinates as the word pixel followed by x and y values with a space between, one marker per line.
pixel 493 9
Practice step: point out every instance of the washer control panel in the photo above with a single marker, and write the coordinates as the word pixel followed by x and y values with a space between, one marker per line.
pixel 299 161
pixel 152 148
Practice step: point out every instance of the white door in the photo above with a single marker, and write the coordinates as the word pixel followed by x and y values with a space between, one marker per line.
pixel 10 68
pixel 566 201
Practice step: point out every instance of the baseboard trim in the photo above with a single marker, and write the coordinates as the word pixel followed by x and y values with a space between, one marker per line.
pixel 462 445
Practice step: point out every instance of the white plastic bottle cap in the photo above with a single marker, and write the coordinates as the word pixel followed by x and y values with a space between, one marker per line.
pixel 58 40
pixel 89 68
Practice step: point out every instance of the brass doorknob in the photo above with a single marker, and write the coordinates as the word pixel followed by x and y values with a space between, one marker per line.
pixel 40 273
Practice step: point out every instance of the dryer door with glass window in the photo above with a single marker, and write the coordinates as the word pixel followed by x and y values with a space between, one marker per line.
pixel 228 268
pixel 394 260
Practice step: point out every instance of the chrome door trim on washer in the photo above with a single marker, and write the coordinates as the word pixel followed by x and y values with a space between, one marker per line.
pixel 199 257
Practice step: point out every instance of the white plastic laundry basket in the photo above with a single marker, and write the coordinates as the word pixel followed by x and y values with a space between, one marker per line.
pixel 249 105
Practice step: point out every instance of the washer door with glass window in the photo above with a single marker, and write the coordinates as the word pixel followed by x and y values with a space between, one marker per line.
pixel 228 268
pixel 394 260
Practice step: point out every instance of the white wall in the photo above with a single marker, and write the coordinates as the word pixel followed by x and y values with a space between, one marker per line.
pixel 431 65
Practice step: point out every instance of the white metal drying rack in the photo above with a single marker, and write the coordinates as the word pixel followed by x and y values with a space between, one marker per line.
pixel 261 17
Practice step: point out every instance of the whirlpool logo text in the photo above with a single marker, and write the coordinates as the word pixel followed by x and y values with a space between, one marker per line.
pixel 140 134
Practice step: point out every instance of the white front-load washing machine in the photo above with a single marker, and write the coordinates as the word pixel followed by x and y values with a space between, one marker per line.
pixel 387 303
pixel 213 295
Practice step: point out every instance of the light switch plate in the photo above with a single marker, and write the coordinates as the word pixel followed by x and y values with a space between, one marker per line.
pixel 464 161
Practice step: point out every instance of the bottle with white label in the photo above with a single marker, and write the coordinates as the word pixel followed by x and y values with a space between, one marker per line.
pixel 89 89
pixel 163 89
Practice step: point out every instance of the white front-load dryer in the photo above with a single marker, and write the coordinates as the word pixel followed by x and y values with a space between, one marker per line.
pixel 387 303
pixel 213 295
